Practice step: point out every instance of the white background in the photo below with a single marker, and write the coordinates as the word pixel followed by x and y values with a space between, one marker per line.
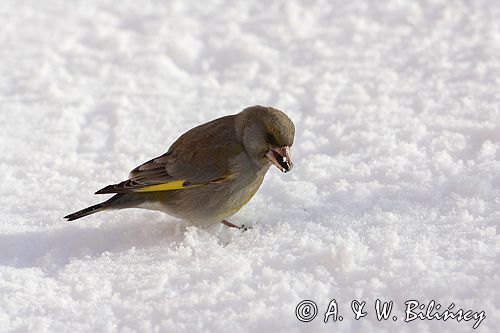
pixel 395 193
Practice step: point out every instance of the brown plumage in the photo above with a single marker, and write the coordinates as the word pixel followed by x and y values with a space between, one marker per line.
pixel 209 172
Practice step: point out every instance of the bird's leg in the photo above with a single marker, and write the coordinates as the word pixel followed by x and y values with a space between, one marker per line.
pixel 230 225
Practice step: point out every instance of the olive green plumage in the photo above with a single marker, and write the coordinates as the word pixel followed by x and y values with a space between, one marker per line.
pixel 209 172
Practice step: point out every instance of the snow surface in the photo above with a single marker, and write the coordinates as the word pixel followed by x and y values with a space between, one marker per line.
pixel 395 193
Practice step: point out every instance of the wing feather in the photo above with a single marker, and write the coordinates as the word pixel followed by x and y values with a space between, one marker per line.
pixel 199 157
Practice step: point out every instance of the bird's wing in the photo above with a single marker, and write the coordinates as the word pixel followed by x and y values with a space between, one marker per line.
pixel 199 157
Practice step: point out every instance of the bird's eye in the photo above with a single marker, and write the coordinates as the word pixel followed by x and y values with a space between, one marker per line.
pixel 271 139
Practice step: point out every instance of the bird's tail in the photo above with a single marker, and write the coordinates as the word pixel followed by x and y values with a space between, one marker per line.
pixel 108 204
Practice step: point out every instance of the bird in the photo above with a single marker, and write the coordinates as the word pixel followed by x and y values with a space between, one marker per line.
pixel 210 172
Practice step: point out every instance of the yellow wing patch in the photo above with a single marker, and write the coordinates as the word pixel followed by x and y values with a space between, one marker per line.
pixel 180 185
pixel 174 185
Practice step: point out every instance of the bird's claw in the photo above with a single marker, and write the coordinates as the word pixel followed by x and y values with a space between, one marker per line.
pixel 243 228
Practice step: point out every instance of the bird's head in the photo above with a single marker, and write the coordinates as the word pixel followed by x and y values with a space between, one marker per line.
pixel 267 135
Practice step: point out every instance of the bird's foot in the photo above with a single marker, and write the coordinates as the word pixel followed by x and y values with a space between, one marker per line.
pixel 230 225
pixel 242 227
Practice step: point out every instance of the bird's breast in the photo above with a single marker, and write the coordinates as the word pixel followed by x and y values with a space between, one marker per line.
pixel 240 195
pixel 210 204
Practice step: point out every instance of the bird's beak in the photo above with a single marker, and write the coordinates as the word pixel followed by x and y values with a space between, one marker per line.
pixel 280 157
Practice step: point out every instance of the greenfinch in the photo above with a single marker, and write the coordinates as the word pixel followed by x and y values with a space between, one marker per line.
pixel 210 172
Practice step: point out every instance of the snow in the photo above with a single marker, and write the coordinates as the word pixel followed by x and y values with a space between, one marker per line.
pixel 395 193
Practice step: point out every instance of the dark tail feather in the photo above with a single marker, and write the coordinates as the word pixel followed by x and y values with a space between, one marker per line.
pixel 116 188
pixel 94 209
